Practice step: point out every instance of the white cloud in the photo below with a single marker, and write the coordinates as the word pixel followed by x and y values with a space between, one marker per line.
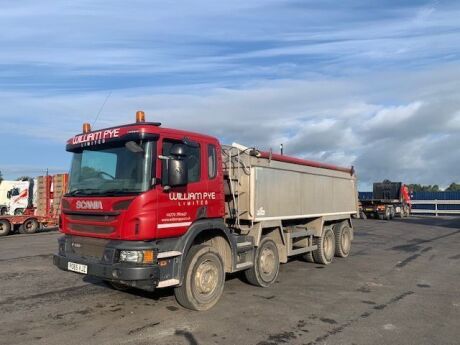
pixel 390 117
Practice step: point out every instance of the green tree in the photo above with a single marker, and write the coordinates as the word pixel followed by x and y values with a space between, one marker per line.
pixel 453 187
pixel 1 177
pixel 421 188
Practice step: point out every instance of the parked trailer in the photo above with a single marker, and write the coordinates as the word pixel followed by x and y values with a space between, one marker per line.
pixel 151 207
pixel 25 224
pixel 389 199
pixel 44 208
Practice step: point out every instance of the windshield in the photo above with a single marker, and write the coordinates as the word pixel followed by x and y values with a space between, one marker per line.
pixel 122 169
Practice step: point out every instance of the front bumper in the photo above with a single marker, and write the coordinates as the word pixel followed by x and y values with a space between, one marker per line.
pixel 106 265
pixel 142 277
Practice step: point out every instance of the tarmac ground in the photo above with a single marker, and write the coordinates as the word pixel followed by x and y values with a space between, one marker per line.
pixel 400 285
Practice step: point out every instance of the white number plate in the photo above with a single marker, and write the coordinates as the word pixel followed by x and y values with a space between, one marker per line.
pixel 72 266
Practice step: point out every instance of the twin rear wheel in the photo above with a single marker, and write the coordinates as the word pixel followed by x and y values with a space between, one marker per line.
pixel 335 241
pixel 30 226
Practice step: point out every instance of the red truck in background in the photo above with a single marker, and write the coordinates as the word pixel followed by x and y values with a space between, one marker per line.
pixel 389 199
pixel 151 207
pixel 43 207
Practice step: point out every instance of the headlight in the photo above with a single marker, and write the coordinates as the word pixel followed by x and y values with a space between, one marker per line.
pixel 131 256
pixel 137 256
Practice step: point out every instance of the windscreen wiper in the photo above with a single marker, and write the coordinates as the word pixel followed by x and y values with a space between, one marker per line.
pixel 119 191
pixel 83 191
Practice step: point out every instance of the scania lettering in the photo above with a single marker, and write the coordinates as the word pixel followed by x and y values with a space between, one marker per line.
pixel 150 207
pixel 89 205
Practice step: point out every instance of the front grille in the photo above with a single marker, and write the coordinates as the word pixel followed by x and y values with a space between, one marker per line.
pixel 92 217
pixel 89 248
pixel 99 229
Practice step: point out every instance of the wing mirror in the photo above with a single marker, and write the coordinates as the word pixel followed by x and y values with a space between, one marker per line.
pixel 177 167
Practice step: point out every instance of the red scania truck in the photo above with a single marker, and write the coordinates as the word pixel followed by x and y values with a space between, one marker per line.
pixel 152 207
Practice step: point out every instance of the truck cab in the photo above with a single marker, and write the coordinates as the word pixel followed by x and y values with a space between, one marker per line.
pixel 134 190
pixel 18 197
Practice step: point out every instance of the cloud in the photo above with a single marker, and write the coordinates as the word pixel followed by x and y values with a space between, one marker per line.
pixel 333 120
pixel 370 85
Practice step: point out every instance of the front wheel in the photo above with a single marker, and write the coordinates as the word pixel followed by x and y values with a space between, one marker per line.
pixel 204 279
pixel 266 266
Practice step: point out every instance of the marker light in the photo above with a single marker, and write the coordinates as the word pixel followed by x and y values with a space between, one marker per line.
pixel 86 127
pixel 140 116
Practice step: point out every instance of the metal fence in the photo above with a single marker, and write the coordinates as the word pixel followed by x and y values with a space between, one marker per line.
pixel 433 203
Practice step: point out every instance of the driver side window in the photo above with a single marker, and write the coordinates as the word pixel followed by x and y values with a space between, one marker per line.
pixel 193 159
pixel 93 163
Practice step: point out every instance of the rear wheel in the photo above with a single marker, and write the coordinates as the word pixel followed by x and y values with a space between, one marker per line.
pixel 309 257
pixel 5 227
pixel 387 213
pixel 204 279
pixel 266 266
pixel 392 213
pixel 3 211
pixel 30 226
pixel 324 254
pixel 342 234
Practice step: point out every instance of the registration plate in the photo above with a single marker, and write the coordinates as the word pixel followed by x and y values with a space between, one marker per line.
pixel 79 268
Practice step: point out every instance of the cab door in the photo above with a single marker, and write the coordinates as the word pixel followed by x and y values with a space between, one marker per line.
pixel 180 206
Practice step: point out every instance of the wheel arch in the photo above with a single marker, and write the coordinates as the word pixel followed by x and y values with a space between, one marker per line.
pixel 212 232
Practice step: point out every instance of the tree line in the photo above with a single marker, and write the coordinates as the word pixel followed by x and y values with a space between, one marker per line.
pixel 453 187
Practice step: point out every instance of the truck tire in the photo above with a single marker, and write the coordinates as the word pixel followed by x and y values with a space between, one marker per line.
pixel 387 213
pixel 309 257
pixel 392 213
pixel 3 211
pixel 5 227
pixel 30 226
pixel 266 264
pixel 342 234
pixel 203 281
pixel 326 247
pixel 19 212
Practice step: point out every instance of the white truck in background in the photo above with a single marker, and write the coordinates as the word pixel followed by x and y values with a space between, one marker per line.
pixel 15 197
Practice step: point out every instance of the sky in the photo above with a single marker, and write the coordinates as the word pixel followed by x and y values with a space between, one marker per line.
pixel 373 84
